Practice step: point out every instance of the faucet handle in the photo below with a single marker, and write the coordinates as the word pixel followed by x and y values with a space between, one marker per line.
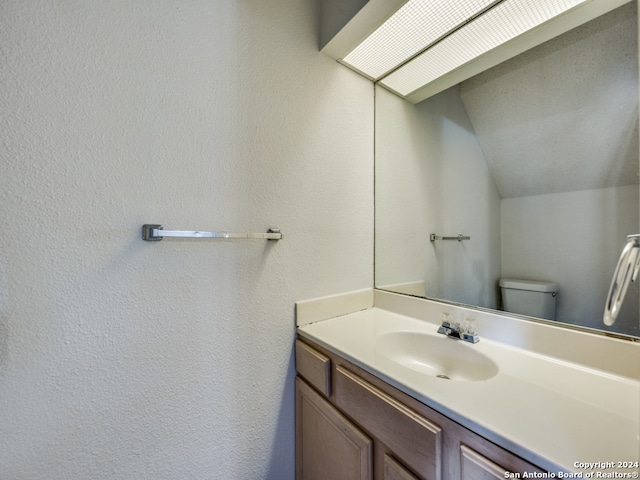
pixel 469 338
pixel 469 332
pixel 469 326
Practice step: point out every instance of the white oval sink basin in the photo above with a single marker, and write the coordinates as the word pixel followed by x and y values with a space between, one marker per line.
pixel 436 355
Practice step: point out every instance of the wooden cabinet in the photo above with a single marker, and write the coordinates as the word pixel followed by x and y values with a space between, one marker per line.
pixel 352 425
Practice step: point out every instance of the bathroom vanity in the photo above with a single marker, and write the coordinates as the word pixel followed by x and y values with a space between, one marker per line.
pixel 380 395
pixel 352 425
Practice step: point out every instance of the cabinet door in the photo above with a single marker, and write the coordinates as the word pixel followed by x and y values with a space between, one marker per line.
pixel 328 446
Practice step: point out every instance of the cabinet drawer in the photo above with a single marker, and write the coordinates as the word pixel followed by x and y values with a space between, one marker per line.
pixel 415 441
pixel 314 367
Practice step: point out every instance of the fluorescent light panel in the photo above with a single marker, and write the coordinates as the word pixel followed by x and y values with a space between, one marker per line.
pixel 500 24
pixel 417 24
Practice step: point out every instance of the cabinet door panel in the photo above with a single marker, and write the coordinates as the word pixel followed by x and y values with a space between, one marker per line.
pixel 481 459
pixel 328 446
pixel 474 466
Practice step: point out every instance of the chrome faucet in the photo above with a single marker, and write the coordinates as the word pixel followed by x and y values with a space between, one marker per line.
pixel 453 330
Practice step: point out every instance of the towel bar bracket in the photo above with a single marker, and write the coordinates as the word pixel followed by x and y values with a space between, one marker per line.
pixel 149 233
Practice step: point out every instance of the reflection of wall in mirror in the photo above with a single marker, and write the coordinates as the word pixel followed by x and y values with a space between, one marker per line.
pixel 431 177
pixel 575 239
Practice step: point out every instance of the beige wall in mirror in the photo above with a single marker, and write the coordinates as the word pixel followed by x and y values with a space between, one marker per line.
pixel 535 159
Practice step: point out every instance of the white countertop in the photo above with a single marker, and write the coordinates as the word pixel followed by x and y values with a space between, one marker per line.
pixel 553 413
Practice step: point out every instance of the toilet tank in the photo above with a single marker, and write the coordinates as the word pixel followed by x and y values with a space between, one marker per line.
pixel 528 297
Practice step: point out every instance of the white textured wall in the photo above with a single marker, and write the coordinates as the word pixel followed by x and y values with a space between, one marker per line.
pixel 431 177
pixel 122 359
pixel 573 239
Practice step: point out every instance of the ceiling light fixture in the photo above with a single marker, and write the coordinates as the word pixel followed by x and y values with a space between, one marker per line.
pixel 415 26
pixel 429 45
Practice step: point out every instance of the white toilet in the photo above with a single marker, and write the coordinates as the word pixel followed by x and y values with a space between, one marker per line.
pixel 528 297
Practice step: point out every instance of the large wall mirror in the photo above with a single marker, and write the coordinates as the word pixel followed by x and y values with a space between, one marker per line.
pixel 536 160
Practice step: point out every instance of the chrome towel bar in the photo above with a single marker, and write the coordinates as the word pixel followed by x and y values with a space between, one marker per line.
pixel 433 237
pixel 152 233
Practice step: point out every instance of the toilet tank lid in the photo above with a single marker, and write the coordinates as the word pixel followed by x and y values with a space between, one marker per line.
pixel 528 285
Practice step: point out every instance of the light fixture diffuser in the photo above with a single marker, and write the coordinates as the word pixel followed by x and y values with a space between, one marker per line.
pixel 495 27
pixel 427 46
pixel 417 24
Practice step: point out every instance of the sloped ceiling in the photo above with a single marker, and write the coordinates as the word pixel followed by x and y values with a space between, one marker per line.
pixel 563 116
